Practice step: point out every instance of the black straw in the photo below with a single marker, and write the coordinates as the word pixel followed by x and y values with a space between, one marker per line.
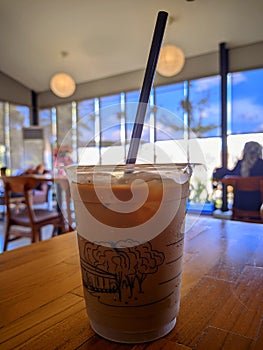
pixel 146 86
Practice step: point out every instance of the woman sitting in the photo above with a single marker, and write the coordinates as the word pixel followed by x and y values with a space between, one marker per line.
pixel 251 163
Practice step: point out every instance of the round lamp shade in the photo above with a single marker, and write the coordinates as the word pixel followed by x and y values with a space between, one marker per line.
pixel 62 85
pixel 171 61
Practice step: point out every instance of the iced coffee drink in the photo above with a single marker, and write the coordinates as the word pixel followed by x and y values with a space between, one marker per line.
pixel 130 226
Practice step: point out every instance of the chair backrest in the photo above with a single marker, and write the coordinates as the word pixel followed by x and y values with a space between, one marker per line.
pixel 18 184
pixel 21 186
pixel 248 197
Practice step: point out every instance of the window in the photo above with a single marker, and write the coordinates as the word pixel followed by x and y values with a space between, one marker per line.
pixel 111 122
pixel 131 106
pixel 169 113
pixel 87 132
pixel 86 123
pixel 3 161
pixel 203 109
pixel 19 116
pixel 2 123
pixel 107 122
pixel 64 124
pixel 246 113
pixel 47 122
pixel 247 102
pixel 236 144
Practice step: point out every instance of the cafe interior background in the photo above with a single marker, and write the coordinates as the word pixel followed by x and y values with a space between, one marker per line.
pixel 104 45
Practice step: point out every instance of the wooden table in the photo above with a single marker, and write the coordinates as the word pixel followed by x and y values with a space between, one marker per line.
pixel 42 306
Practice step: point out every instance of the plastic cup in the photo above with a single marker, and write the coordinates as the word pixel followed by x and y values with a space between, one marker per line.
pixel 130 227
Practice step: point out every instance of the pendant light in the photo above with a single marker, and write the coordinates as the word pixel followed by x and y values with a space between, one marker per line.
pixel 171 61
pixel 62 84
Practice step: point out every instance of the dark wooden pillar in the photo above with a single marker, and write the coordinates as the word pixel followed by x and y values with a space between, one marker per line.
pixel 223 73
pixel 34 108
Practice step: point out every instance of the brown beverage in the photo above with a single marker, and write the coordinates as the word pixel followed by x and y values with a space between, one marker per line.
pixel 131 236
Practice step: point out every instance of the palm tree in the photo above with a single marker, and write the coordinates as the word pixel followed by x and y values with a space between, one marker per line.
pixel 196 126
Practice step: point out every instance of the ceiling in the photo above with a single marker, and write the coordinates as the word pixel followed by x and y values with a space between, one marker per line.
pixel 110 37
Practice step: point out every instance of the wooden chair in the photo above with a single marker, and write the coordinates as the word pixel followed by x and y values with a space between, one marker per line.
pixel 26 216
pixel 248 197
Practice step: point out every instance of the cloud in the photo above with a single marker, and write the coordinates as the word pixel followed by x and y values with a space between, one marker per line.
pixel 247 115
pixel 248 110
pixel 206 84
pixel 238 78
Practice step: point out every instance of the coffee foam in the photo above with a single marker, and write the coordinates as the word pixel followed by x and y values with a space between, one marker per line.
pixel 123 174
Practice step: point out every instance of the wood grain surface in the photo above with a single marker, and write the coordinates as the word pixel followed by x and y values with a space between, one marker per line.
pixel 42 304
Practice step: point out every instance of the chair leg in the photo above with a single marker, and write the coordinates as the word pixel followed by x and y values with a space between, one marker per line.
pixel 35 234
pixel 7 229
pixel 39 234
pixel 64 225
pixel 54 231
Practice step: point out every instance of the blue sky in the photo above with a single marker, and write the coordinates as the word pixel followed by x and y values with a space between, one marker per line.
pixel 247 101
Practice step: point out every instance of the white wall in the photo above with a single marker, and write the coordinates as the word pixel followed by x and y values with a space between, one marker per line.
pixel 13 91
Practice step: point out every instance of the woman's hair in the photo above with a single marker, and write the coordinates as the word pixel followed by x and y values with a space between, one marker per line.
pixel 251 153
pixel 253 149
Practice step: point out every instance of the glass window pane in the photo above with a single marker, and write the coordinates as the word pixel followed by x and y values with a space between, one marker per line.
pixel 85 123
pixel 110 119
pixel 131 106
pixel 206 151
pixel 45 120
pixel 19 116
pixel 34 153
pixel 171 151
pixel 169 112
pixel 204 107
pixel 88 155
pixel 236 143
pixel 64 124
pixel 247 102
pixel 65 137
pixel 2 123
pixel 3 161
